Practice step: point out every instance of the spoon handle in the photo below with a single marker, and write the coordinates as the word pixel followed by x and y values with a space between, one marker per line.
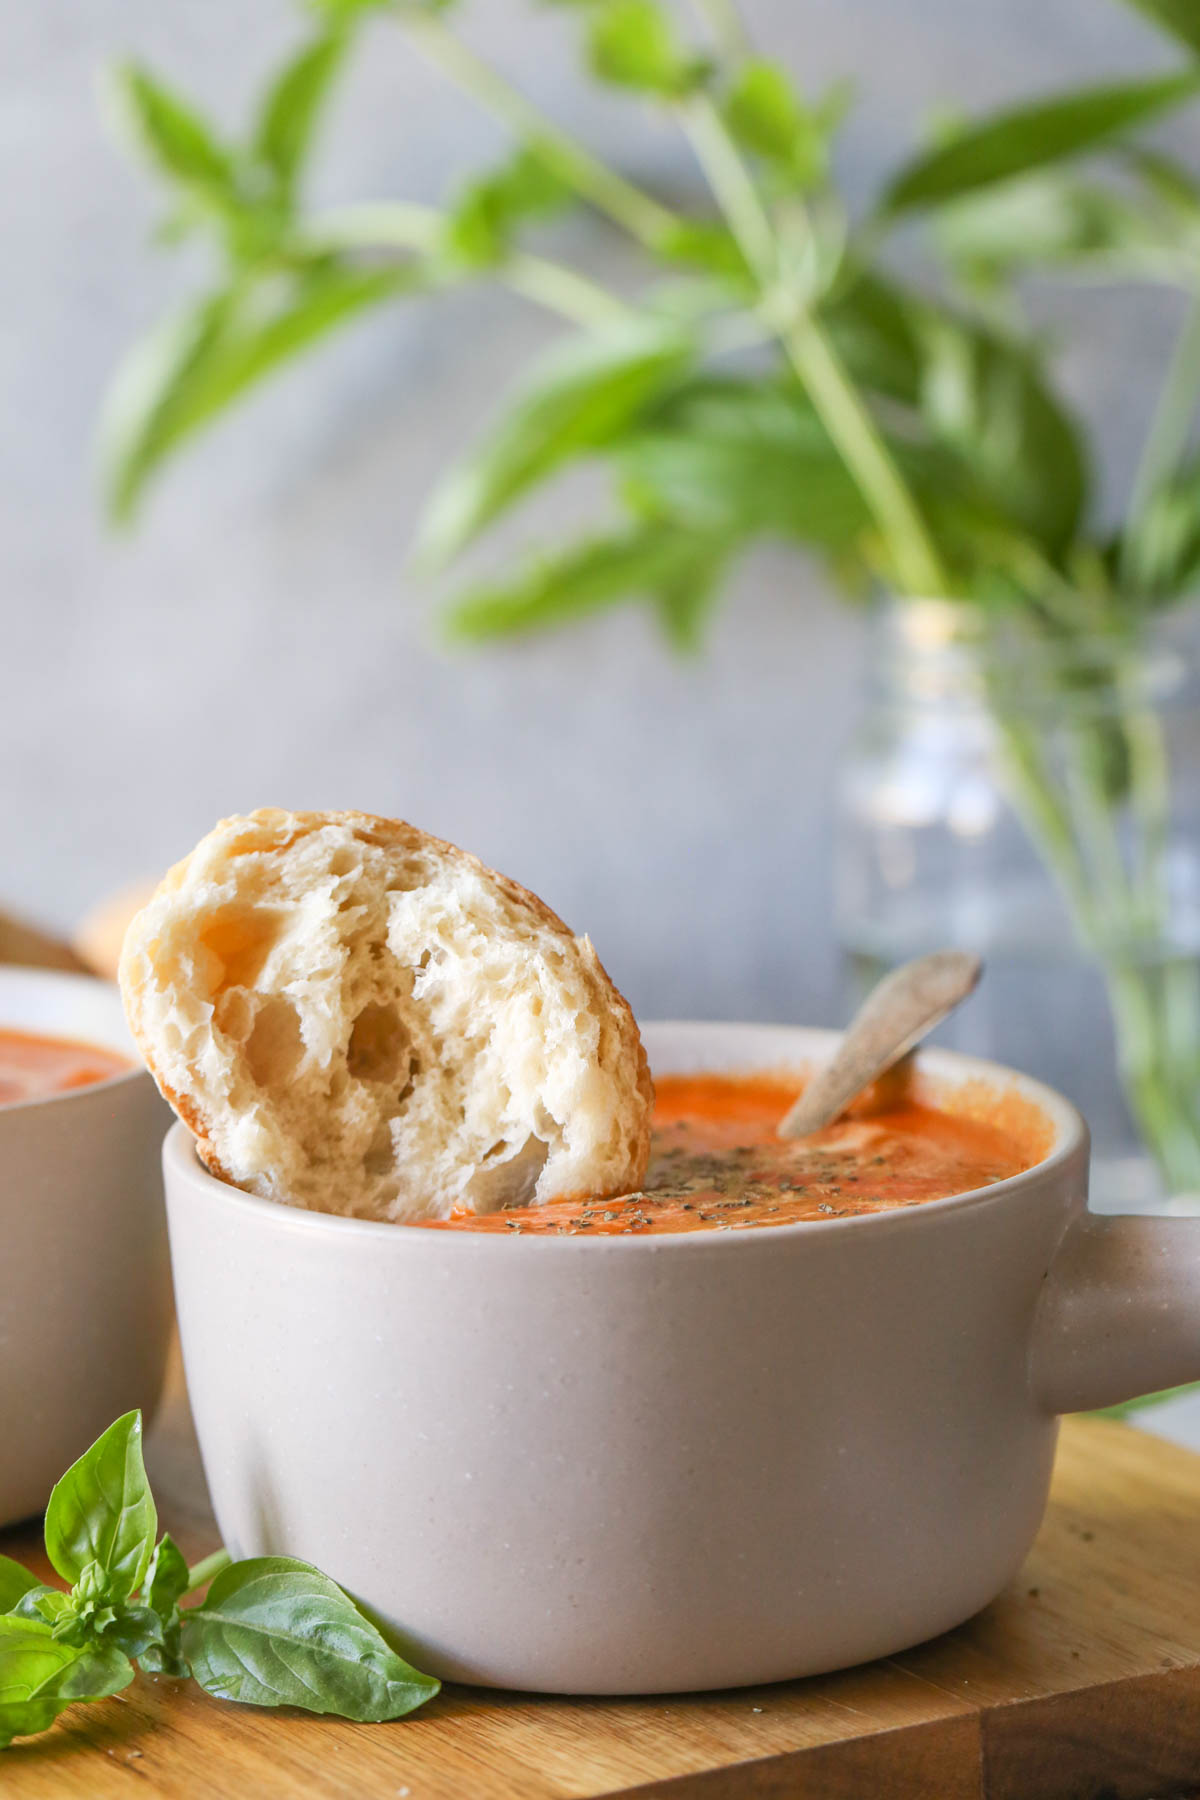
pixel 897 1014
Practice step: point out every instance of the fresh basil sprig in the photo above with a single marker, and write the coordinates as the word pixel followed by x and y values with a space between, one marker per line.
pixel 933 411
pixel 276 1632
pixel 272 1631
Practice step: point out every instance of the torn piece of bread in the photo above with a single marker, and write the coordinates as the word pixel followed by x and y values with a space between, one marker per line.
pixel 356 1018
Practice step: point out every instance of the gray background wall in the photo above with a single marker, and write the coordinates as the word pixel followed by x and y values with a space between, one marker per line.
pixel 260 640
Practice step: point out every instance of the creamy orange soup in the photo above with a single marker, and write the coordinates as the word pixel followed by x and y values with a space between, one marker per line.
pixel 716 1163
pixel 32 1067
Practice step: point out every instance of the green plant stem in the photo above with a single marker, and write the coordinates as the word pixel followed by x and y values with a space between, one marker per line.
pixel 636 212
pixel 1150 785
pixel 403 225
pixel 732 187
pixel 201 1573
pixel 918 567
pixel 1037 805
pixel 1166 439
pixel 561 290
pixel 1155 1009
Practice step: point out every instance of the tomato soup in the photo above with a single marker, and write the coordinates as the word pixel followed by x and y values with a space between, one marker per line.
pixel 32 1067
pixel 716 1163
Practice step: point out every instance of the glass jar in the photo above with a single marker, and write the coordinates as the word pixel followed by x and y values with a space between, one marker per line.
pixel 1036 798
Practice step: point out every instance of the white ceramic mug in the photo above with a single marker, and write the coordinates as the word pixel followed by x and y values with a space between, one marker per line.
pixel 641 1464
pixel 85 1281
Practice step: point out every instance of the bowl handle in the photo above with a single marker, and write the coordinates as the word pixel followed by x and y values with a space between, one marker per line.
pixel 1120 1312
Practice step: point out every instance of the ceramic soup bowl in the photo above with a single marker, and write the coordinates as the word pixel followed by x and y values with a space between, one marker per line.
pixel 85 1281
pixel 641 1464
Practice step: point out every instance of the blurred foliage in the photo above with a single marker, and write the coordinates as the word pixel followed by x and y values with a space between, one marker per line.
pixel 773 376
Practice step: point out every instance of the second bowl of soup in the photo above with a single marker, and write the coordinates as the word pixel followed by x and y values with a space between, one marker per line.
pixel 85 1286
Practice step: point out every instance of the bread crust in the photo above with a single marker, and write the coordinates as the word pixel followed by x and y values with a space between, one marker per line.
pixel 273 832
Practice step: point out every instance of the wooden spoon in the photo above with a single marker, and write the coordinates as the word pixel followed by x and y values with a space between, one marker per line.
pixel 897 1014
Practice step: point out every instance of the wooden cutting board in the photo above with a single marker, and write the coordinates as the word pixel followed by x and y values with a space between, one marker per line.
pixel 1082 1682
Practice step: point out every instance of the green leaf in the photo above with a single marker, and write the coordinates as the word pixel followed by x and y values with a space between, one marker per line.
pixel 1168 181
pixel 169 132
pixel 766 114
pixel 645 562
pixel 986 401
pixel 1164 555
pixel 40 1676
pixel 292 105
pixel 831 107
pixel 1051 218
pixel 166 1583
pixel 579 397
pixel 102 1511
pixel 166 1578
pixel 487 213
pixel 684 602
pixel 871 322
pixel 47 1605
pixel 743 457
pixel 975 398
pixel 152 403
pixel 346 10
pixel 703 244
pixel 276 1632
pixel 14 1581
pixel 136 1631
pixel 1029 137
pixel 631 43
pixel 194 366
pixel 166 1658
pixel 1180 18
pixel 92 1606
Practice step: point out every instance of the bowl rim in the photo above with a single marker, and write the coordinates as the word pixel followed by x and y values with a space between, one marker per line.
pixel 15 977
pixel 1071 1140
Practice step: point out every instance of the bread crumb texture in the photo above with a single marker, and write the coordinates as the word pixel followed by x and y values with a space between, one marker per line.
pixel 354 1017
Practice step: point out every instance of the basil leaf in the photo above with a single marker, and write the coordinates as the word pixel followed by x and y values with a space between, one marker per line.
pixel 1028 137
pixel 487 213
pixel 1168 180
pixel 683 603
pixel 583 578
pixel 166 1578
pixel 1054 218
pixel 742 457
pixel 14 1582
pixel 1178 17
pixel 977 396
pixel 292 106
pixel 166 1658
pixel 188 371
pixel 703 244
pixel 170 133
pixel 766 114
pixel 1163 552
pixel 91 1607
pixel 632 44
pixel 986 401
pixel 350 9
pixel 135 1631
pixel 40 1676
pixel 581 396
pixel 166 1583
pixel 276 1632
pixel 102 1511
pixel 45 1605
